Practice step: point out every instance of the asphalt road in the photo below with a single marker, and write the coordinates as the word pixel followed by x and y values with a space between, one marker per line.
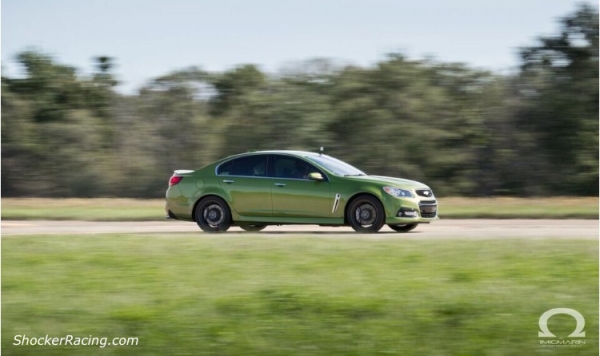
pixel 470 229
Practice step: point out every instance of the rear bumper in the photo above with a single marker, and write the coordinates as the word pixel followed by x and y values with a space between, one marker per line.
pixel 170 214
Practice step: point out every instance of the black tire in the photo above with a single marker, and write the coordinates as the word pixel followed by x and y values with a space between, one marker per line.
pixel 365 214
pixel 213 215
pixel 403 227
pixel 252 228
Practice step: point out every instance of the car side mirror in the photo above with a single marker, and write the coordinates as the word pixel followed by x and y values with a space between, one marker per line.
pixel 315 176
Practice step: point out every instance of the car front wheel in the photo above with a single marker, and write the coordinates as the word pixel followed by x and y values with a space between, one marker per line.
pixel 213 215
pixel 403 227
pixel 366 214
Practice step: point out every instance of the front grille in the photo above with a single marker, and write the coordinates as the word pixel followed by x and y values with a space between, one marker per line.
pixel 424 192
pixel 428 208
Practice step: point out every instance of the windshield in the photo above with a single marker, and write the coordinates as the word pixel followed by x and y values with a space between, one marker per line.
pixel 336 166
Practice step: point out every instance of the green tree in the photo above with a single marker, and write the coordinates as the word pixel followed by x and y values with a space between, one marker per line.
pixel 52 130
pixel 232 85
pixel 560 86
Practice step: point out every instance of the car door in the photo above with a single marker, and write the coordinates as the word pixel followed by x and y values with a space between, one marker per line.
pixel 245 181
pixel 293 194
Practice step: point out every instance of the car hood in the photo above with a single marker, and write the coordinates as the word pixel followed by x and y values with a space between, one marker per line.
pixel 391 181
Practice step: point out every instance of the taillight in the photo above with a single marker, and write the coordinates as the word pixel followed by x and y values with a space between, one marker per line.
pixel 174 180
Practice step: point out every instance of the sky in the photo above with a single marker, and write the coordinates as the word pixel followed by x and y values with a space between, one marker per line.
pixel 151 38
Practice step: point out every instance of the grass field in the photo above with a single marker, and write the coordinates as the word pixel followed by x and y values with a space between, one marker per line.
pixel 184 295
pixel 134 209
pixel 103 209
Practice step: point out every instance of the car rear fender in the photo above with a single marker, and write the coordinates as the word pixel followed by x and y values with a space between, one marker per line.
pixel 208 186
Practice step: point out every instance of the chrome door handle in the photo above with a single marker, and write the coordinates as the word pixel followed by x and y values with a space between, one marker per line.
pixel 228 181
pixel 280 184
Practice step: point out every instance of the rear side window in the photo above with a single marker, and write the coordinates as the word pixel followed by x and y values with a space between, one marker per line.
pixel 251 166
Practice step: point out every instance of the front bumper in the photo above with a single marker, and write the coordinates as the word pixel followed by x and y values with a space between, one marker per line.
pixel 410 210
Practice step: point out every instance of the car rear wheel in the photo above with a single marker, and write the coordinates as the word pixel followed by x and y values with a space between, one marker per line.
pixel 213 215
pixel 252 228
pixel 366 214
pixel 403 227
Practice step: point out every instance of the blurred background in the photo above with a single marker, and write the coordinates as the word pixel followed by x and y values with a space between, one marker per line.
pixel 528 129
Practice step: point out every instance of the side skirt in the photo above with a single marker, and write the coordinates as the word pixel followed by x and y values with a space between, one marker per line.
pixel 289 220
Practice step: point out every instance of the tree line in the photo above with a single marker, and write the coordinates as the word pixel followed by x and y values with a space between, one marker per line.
pixel 461 130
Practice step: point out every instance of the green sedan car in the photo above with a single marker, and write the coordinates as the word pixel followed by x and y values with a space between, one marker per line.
pixel 256 189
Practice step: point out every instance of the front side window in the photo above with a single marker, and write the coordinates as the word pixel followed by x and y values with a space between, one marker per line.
pixel 251 166
pixel 290 167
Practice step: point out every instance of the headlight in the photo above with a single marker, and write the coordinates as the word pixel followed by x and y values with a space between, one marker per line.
pixel 399 193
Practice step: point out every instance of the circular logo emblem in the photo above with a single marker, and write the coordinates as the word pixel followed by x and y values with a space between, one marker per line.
pixel 543 322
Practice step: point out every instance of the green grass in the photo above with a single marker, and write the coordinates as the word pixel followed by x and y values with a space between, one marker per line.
pixel 521 208
pixel 450 208
pixel 248 295
pixel 99 209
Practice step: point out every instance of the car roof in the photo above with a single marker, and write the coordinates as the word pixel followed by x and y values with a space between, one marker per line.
pixel 288 152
